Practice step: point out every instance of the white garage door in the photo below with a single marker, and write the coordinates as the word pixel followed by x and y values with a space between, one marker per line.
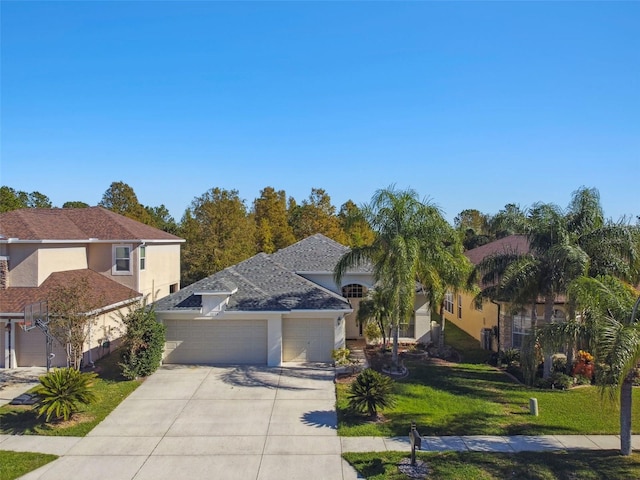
pixel 216 341
pixel 307 340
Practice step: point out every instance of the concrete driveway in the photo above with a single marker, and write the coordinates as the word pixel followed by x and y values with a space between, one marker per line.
pixel 197 422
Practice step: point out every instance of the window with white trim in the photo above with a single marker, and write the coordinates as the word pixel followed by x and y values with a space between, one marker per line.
pixel 448 302
pixel 521 328
pixel 459 306
pixel 121 260
pixel 353 290
pixel 143 256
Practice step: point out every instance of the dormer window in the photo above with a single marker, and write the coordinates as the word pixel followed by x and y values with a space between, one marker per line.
pixel 121 260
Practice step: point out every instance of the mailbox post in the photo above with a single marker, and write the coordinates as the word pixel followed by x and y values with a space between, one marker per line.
pixel 416 442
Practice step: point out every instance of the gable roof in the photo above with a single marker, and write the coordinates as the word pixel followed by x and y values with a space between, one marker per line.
pixel 262 285
pixel 316 253
pixel 104 291
pixel 64 224
pixel 510 244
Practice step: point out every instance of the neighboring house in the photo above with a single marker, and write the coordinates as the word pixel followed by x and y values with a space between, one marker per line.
pixel 271 309
pixel 484 321
pixel 41 249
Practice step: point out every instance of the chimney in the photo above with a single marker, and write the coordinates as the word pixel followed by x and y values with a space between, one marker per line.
pixel 4 272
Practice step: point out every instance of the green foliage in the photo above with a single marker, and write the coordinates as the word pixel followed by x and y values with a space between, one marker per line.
pixel 370 391
pixel 11 199
pixel 341 356
pixel 75 204
pixel 218 233
pixel 372 332
pixel 557 381
pixel 120 198
pixel 70 321
pixel 143 342
pixel 316 215
pixel 509 356
pixel 62 391
pixel 273 231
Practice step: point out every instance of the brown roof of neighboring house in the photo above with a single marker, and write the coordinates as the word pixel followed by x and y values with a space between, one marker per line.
pixel 510 244
pixel 76 224
pixel 104 291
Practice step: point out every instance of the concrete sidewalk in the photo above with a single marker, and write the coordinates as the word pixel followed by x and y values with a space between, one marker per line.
pixel 473 443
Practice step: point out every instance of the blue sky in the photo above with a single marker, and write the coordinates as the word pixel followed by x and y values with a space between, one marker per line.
pixel 472 104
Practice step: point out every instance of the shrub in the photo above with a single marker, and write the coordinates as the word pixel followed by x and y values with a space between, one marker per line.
pixel 143 343
pixel 372 332
pixel 341 356
pixel 370 391
pixel 62 391
pixel 557 381
pixel 510 356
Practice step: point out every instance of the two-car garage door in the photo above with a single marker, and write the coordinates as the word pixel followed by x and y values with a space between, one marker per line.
pixel 216 341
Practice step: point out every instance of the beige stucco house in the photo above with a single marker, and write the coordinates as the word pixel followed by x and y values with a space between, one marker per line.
pixel 41 249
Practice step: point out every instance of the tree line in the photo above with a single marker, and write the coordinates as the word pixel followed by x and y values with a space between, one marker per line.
pixel 221 229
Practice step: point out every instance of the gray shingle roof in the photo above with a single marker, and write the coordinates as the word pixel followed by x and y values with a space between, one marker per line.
pixel 316 253
pixel 263 285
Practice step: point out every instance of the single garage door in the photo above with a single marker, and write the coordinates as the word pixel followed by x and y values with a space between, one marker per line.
pixel 31 349
pixel 216 341
pixel 307 340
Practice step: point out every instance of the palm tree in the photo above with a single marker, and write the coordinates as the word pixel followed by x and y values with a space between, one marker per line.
pixel 443 267
pixel 608 306
pixel 563 246
pixel 402 225
pixel 374 309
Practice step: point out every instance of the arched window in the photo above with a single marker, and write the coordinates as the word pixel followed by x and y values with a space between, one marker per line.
pixel 353 291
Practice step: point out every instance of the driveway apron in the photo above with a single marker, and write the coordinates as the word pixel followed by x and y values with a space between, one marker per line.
pixel 200 422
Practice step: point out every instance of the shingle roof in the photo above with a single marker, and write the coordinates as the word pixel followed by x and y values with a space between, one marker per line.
pixel 510 244
pixel 104 291
pixel 263 285
pixel 76 224
pixel 316 253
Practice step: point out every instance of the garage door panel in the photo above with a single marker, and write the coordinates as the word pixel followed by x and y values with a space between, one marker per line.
pixel 31 350
pixel 216 341
pixel 307 340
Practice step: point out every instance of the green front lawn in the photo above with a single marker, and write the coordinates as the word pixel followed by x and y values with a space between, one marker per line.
pixel 465 399
pixel 583 465
pixel 110 390
pixel 16 464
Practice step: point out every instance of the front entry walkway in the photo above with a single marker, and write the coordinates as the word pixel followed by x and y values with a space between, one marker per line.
pixel 195 422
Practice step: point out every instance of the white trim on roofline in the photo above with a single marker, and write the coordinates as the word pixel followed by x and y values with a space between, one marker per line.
pixel 93 240
pixel 215 292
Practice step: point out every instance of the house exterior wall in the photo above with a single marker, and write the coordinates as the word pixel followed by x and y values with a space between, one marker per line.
pixel 326 280
pixel 473 320
pixel 23 265
pixel 101 260
pixel 162 269
pixel 60 258
pixel 422 319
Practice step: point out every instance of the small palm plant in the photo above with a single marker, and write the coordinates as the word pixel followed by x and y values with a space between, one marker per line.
pixel 370 391
pixel 62 391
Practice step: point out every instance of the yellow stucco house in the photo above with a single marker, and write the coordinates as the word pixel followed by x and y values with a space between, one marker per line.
pixel 495 324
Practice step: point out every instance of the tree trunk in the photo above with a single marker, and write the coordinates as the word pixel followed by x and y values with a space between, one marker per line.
pixel 394 352
pixel 625 416
pixel 548 356
pixel 442 322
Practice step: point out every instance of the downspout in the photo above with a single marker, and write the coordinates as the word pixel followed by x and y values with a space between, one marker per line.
pixel 499 306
